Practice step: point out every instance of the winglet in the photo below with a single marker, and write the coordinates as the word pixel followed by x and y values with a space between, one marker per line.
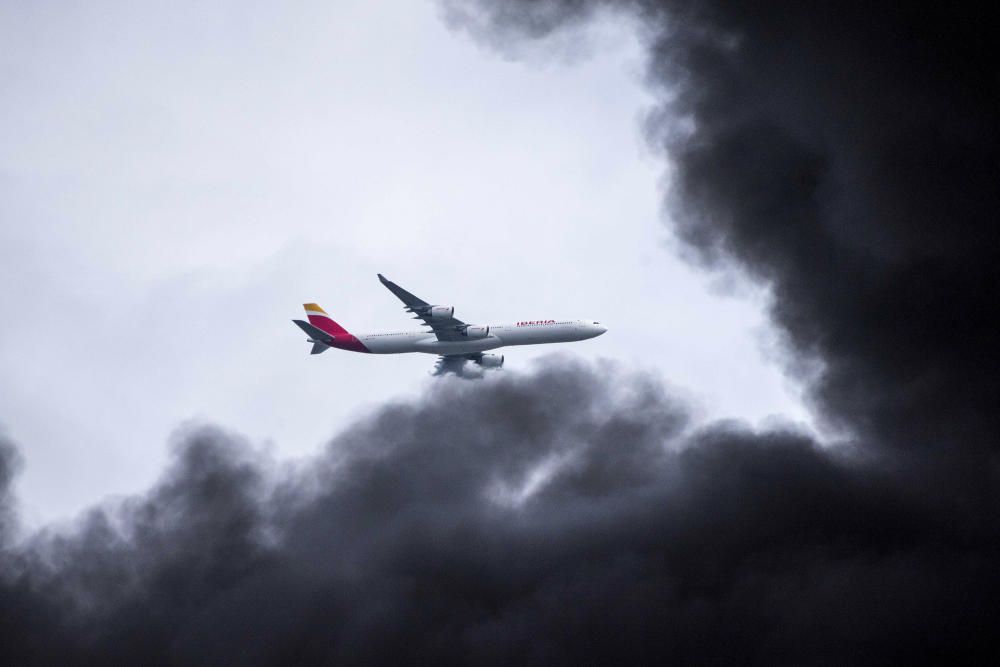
pixel 410 300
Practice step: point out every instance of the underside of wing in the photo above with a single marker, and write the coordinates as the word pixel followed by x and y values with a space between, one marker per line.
pixel 438 318
pixel 454 363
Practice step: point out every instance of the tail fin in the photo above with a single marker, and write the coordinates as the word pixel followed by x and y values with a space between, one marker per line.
pixel 323 330
pixel 319 319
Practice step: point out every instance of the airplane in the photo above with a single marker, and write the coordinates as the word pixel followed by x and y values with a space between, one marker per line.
pixel 454 341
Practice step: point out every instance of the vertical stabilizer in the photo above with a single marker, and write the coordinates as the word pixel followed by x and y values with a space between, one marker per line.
pixel 325 333
pixel 319 319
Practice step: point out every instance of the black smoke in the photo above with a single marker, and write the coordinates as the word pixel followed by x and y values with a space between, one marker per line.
pixel 845 156
pixel 427 534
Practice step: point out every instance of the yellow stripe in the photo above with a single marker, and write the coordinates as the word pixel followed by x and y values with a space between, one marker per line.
pixel 314 307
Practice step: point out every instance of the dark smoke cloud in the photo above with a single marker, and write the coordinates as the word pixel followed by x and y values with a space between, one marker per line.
pixel 845 156
pixel 415 539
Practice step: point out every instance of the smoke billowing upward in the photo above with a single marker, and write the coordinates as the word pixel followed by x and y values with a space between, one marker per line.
pixel 564 516
pixel 845 156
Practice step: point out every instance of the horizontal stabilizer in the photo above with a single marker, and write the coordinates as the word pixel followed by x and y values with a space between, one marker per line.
pixel 314 333
pixel 320 339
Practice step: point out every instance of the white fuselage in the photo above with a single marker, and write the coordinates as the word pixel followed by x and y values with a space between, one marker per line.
pixel 500 335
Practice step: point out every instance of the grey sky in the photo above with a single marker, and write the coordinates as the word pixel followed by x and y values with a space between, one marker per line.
pixel 176 180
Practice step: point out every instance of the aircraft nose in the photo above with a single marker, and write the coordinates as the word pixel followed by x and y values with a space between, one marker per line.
pixel 600 329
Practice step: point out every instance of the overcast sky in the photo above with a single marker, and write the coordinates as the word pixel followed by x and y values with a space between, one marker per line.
pixel 176 181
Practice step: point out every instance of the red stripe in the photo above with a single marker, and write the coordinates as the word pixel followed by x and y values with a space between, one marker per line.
pixel 326 324
pixel 342 339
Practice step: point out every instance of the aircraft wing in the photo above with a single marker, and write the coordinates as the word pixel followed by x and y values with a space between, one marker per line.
pixel 454 363
pixel 447 328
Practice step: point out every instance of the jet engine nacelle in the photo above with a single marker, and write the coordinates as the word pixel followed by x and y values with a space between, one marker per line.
pixel 491 360
pixel 476 331
pixel 441 312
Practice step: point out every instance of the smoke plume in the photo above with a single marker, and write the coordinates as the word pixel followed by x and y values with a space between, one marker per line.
pixel 846 157
pixel 566 516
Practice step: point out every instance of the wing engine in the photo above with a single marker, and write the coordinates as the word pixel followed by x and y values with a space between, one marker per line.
pixel 441 312
pixel 475 331
pixel 441 319
pixel 490 360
